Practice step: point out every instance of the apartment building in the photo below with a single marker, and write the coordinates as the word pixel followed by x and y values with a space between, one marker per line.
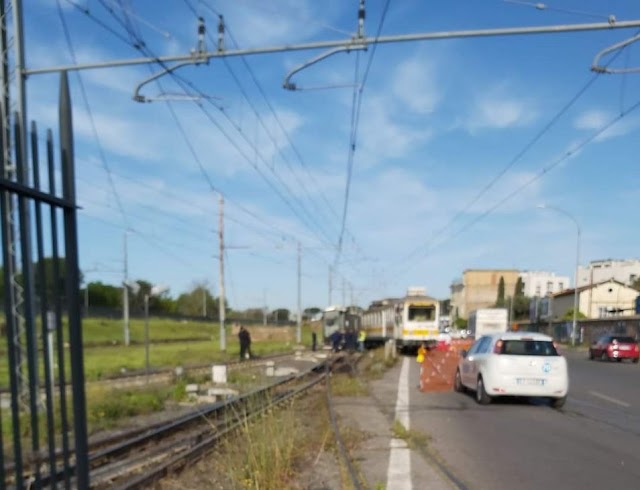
pixel 542 283
pixel 625 271
pixel 478 288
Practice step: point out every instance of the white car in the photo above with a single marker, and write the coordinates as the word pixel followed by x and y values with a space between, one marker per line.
pixel 513 364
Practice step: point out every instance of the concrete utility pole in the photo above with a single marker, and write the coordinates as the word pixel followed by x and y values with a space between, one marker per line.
pixel 221 300
pixel 299 323
pixel 125 294
pixel 264 308
pixel 330 285
pixel 344 292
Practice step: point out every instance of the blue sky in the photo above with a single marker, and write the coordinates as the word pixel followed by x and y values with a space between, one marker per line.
pixel 439 121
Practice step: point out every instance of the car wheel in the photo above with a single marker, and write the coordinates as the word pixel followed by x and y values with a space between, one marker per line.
pixel 457 383
pixel 481 395
pixel 604 356
pixel 619 359
pixel 558 402
pixel 635 361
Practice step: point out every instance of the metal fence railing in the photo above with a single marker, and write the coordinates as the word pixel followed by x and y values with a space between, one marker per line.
pixel 43 423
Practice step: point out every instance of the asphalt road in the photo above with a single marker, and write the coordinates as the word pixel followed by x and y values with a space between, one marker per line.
pixel 593 442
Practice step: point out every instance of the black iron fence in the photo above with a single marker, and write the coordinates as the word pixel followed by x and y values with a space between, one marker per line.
pixel 43 435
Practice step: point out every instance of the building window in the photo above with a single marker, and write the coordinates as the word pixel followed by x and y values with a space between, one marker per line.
pixel 561 286
pixel 549 287
pixel 538 290
pixel 632 278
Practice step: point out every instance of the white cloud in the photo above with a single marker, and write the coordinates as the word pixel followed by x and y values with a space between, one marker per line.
pixel 255 24
pixel 382 136
pixel 499 109
pixel 594 120
pixel 414 84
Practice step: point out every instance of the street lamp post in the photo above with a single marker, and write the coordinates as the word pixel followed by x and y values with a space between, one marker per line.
pixel 574 325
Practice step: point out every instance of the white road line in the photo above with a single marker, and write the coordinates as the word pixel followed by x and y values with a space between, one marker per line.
pixel 610 399
pixel 399 471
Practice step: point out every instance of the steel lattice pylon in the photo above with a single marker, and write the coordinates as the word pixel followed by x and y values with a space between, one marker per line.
pixel 9 106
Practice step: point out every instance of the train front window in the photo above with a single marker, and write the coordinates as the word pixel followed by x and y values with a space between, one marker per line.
pixel 421 313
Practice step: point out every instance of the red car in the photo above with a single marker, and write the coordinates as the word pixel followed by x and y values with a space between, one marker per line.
pixel 616 347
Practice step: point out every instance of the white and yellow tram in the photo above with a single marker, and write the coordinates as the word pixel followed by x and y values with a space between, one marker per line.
pixel 409 321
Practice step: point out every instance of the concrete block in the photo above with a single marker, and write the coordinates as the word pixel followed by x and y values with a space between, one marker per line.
pixel 192 388
pixel 286 371
pixel 219 374
pixel 223 392
pixel 270 370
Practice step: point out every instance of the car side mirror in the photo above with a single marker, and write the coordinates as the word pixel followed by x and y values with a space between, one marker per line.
pixel 463 353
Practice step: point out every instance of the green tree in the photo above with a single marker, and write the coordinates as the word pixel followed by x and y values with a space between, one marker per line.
pixel 197 302
pixel 461 323
pixel 280 315
pixel 569 315
pixel 500 301
pixel 255 314
pixel 636 284
pixel 309 313
pixel 520 306
pixel 104 295
pixel 158 303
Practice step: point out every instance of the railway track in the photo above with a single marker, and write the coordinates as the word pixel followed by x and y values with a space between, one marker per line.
pixel 138 457
pixel 139 462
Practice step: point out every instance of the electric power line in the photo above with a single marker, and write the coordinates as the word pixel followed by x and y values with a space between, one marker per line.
pixel 141 46
pixel 569 153
pixel 355 119
pixel 530 144
pixel 94 130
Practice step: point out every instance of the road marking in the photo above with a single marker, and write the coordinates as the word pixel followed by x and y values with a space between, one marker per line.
pixel 399 470
pixel 610 399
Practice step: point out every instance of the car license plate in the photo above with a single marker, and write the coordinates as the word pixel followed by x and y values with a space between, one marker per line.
pixel 624 347
pixel 530 381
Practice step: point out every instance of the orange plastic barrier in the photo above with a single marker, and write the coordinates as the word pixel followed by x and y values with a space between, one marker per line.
pixel 439 366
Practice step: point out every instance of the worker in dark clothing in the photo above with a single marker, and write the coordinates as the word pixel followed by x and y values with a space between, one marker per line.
pixel 314 341
pixel 350 340
pixel 245 343
pixel 336 340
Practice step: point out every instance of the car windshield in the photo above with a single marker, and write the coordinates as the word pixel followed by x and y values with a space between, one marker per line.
pixel 623 340
pixel 528 348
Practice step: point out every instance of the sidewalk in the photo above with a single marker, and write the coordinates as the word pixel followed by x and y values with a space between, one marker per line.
pixel 375 415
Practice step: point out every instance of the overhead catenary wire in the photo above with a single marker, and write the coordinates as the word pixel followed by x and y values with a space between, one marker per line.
pixel 269 105
pixel 138 47
pixel 177 225
pixel 544 6
pixel 142 47
pixel 268 231
pixel 355 120
pixel 568 154
pixel 94 130
pixel 511 163
pixel 174 112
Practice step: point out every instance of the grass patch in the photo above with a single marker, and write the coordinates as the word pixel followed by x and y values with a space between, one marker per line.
pixel 270 452
pixel 414 439
pixel 105 407
pixel 374 365
pixel 345 385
